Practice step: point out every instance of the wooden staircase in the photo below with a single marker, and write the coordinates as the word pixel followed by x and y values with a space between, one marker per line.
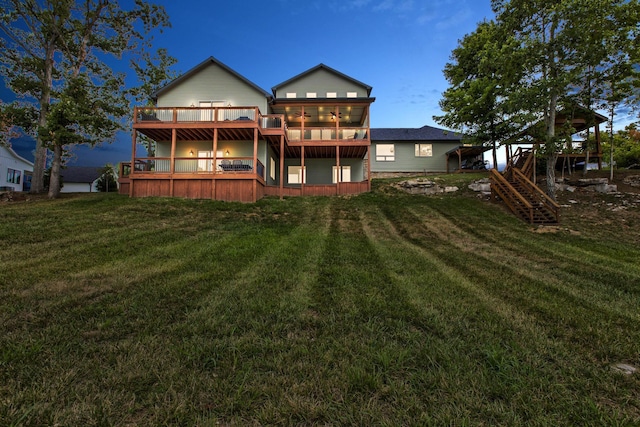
pixel 524 198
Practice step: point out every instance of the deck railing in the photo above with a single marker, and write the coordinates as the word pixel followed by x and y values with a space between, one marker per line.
pixel 191 165
pixel 327 134
pixel 150 115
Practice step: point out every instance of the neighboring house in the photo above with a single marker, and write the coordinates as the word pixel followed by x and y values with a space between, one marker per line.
pixel 421 150
pixel 80 179
pixel 222 137
pixel 15 171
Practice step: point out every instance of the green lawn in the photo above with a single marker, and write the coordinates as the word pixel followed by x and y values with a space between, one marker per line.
pixel 379 309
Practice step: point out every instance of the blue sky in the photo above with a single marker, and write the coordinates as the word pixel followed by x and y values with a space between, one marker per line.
pixel 399 47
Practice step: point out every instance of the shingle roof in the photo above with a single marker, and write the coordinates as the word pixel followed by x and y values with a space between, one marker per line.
pixel 425 133
pixel 81 174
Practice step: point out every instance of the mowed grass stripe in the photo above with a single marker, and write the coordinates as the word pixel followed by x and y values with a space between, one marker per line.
pixel 476 325
pixel 542 293
pixel 517 266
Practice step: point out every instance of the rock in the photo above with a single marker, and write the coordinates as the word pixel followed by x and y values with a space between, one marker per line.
pixel 420 186
pixel 632 180
pixel 624 368
pixel 606 188
pixel 585 182
pixel 482 185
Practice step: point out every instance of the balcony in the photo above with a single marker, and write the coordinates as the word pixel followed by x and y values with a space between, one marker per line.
pixel 191 165
pixel 231 116
pixel 343 134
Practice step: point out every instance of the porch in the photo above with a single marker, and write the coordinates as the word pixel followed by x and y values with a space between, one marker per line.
pixel 218 153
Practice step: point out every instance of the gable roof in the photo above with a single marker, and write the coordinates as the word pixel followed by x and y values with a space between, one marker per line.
pixel 425 133
pixel 80 174
pixel 16 155
pixel 324 67
pixel 198 68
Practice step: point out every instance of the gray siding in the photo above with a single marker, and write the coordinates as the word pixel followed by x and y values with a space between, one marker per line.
pixel 321 81
pixel 319 171
pixel 213 84
pixel 406 160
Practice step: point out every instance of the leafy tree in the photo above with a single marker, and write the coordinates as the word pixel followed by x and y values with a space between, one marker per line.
pixel 559 42
pixel 154 74
pixel 625 147
pixel 476 104
pixel 107 181
pixel 60 53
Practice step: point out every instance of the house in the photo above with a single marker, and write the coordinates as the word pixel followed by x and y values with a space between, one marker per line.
pixel 421 150
pixel 80 179
pixel 220 136
pixel 15 171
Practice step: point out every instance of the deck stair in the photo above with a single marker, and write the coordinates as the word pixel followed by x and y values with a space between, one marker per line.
pixel 524 198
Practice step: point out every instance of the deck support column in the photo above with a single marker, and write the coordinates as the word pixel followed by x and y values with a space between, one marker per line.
pixel 172 166
pixel 214 166
pixel 281 167
pixel 598 147
pixel 338 171
pixel 255 165
pixel 302 171
pixel 133 160
pixel 368 111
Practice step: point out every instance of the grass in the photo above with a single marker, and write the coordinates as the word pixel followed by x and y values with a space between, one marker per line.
pixel 380 309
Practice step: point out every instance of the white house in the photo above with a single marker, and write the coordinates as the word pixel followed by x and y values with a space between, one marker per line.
pixel 80 179
pixel 15 171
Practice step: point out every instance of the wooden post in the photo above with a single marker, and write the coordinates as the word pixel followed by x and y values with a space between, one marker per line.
pixel 172 166
pixel 281 167
pixel 214 166
pixel 133 161
pixel 598 147
pixel 338 171
pixel 369 166
pixel 368 111
pixel 255 164
pixel 302 172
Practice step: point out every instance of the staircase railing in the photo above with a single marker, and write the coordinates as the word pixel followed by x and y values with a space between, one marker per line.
pixel 512 198
pixel 522 159
pixel 543 200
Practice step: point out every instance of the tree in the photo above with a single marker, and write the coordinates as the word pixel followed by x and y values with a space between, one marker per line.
pixel 559 41
pixel 154 74
pixel 476 104
pixel 625 147
pixel 107 181
pixel 60 53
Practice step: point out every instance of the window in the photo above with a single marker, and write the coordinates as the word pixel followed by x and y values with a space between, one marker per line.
pixel 332 94
pixel 385 153
pixel 272 168
pixel 345 174
pixel 352 94
pixel 296 175
pixel 291 94
pixel 207 115
pixel 13 176
pixel 312 95
pixel 424 150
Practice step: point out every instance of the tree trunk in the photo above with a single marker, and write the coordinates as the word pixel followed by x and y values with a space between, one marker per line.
pixel 495 156
pixel 40 163
pixel 54 182
pixel 551 149
pixel 552 159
